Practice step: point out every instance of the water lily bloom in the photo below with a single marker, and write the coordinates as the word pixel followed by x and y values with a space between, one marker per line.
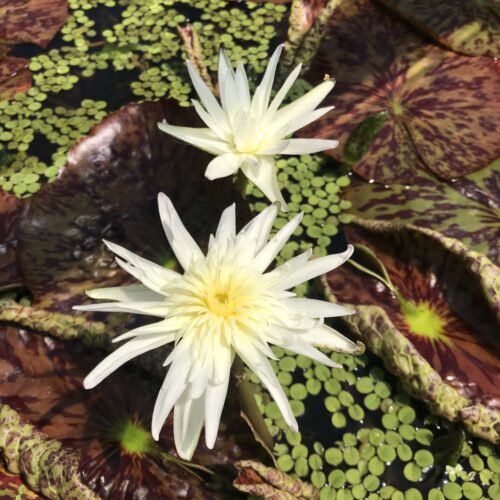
pixel 226 303
pixel 246 132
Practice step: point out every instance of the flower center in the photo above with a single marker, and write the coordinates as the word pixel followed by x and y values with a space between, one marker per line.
pixel 221 304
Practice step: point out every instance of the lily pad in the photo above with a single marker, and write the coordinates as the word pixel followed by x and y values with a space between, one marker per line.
pixel 441 109
pixel 108 189
pixel 467 209
pixel 471 27
pixel 438 332
pixel 10 211
pixel 31 21
pixel 15 76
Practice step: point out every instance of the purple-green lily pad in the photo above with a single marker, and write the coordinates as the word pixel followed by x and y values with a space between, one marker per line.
pixel 10 212
pixel 471 27
pixel 401 104
pixel 438 332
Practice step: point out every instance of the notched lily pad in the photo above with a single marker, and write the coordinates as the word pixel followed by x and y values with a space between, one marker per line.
pixel 437 328
pixel 467 209
pixel 108 189
pixel 471 27
pixel 442 108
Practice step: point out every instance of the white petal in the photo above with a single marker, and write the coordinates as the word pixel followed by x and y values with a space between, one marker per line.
pixel 259 227
pixel 207 98
pixel 303 105
pixel 215 397
pixel 259 364
pixel 263 175
pixel 324 336
pixel 164 327
pixel 280 95
pixel 308 146
pixel 185 248
pixel 313 308
pixel 225 70
pixel 227 223
pixel 126 352
pixel 203 138
pixel 148 308
pixel 139 293
pixel 188 421
pixel 300 346
pixel 264 258
pixel 313 268
pixel 281 272
pixel 242 86
pixel 146 276
pixel 219 129
pixel 222 166
pixel 262 94
pixel 306 119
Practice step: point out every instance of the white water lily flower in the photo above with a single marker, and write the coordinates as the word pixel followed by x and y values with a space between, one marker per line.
pixel 246 132
pixel 225 304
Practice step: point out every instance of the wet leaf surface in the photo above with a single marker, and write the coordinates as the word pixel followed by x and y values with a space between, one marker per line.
pixel 10 211
pixel 453 323
pixel 442 108
pixel 31 21
pixel 15 76
pixel 467 209
pixel 108 189
pixel 471 27
pixel 109 425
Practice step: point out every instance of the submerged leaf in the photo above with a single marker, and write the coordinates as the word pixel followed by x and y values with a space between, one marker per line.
pixel 10 211
pixel 442 108
pixel 438 330
pixel 471 27
pixel 108 189
pixel 15 76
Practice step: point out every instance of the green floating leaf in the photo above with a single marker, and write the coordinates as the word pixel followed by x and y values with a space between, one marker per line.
pixel 431 330
pixel 471 27
pixel 442 108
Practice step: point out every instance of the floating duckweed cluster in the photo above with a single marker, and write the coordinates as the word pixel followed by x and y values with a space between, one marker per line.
pixel 372 443
pixel 108 53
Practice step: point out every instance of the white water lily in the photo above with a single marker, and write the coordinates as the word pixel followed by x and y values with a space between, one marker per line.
pixel 225 304
pixel 246 132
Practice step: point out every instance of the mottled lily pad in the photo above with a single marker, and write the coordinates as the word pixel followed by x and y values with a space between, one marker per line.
pixel 402 105
pixel 439 332
pixel 108 189
pixel 471 27
pixel 10 210
pixel 467 209
pixel 12 486
pixel 31 21
pixel 15 76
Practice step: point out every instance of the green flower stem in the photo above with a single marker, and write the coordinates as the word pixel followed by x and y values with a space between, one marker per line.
pixel 304 37
pixel 45 465
pixel 61 326
pixel 193 50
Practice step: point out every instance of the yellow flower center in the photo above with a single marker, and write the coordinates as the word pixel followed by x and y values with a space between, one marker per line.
pixel 221 304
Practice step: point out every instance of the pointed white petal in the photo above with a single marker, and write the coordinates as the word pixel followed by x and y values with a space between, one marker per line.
pixel 185 248
pixel 219 129
pixel 263 175
pixel 262 94
pixel 259 364
pixel 242 86
pixel 227 223
pixel 308 146
pixel 207 98
pixel 313 308
pixel 203 138
pixel 188 421
pixel 259 227
pixel 306 119
pixel 303 105
pixel 225 69
pixel 264 258
pixel 222 166
pixel 280 95
pixel 165 327
pixel 215 397
pixel 324 336
pixel 148 308
pixel 128 293
pixel 126 352
pixel 281 272
pixel 300 346
pixel 147 276
pixel 313 268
